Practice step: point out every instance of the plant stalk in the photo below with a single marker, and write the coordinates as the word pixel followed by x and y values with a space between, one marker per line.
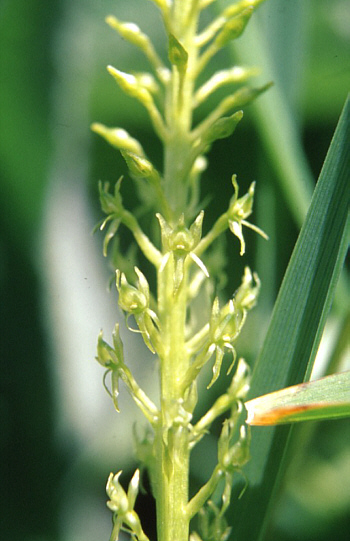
pixel 179 110
pixel 172 437
pixel 172 433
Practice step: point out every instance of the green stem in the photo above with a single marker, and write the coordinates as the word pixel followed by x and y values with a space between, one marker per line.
pixel 172 432
pixel 178 111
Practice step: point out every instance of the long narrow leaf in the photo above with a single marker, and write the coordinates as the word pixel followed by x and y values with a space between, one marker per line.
pixel 325 398
pixel 297 323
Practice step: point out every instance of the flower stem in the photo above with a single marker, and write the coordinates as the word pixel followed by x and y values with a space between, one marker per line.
pixel 178 110
pixel 172 433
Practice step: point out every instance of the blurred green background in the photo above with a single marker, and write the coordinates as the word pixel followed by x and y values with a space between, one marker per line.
pixel 60 437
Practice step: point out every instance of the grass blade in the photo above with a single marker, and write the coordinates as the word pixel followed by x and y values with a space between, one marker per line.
pixel 297 323
pixel 325 398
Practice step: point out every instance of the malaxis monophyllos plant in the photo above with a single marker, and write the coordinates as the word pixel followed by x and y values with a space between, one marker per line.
pixel 170 94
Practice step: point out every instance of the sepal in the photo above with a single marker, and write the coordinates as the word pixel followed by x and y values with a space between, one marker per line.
pixel 111 204
pixel 222 128
pixel 246 95
pixel 118 499
pixel 234 28
pixel 140 167
pixel 178 55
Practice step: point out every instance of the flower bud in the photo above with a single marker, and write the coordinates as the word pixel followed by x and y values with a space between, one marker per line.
pixel 129 31
pixel 130 85
pixel 131 299
pixel 234 27
pixel 138 166
pixel 222 128
pixel 118 138
pixel 147 81
pixel 117 343
pixel 246 95
pixel 133 489
pixel 240 383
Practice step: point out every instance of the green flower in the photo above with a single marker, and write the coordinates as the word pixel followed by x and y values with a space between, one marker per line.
pixel 239 210
pixel 180 242
pixel 122 505
pixel 135 301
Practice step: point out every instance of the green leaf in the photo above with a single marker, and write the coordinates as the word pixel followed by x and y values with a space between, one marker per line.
pixel 326 398
pixel 297 323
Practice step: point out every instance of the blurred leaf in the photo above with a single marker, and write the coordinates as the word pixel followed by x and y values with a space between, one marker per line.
pixel 274 118
pixel 327 79
pixel 25 67
pixel 297 323
pixel 326 398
